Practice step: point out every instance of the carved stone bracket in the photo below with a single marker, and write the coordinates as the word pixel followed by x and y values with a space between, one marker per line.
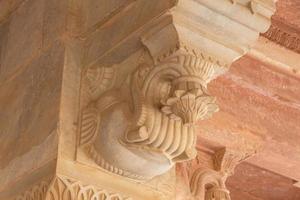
pixel 142 127
pixel 209 184
pixel 167 99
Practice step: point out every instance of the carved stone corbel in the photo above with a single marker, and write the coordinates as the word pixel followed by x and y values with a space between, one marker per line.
pixel 209 184
pixel 142 127
pixel 166 100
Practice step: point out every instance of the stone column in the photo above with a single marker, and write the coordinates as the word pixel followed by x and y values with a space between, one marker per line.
pixel 131 84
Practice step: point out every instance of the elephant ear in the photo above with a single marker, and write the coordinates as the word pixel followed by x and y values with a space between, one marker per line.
pixel 100 80
pixel 90 122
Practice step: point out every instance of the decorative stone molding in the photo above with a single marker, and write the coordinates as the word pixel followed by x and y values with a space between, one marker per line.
pixel 61 188
pixel 207 184
pixel 37 192
pixel 283 35
pixel 141 127
pixel 67 189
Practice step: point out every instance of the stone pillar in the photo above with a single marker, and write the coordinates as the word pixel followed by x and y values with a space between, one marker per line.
pixel 105 95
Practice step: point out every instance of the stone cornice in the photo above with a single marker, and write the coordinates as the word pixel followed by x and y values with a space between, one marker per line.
pixel 225 39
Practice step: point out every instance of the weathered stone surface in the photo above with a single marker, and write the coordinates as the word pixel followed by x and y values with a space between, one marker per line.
pixel 266 105
pixel 30 166
pixel 252 183
pixel 281 86
pixel 30 104
pixel 263 99
pixel 25 32
pixel 7 7
pixel 3 39
pixel 288 12
pixel 55 20
pixel 32 27
pixel 97 12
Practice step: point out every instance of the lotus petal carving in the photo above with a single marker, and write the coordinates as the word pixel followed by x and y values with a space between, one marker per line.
pixel 190 106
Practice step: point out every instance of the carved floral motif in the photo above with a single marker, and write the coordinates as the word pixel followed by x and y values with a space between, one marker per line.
pixel 190 106
pixel 37 192
pixel 66 189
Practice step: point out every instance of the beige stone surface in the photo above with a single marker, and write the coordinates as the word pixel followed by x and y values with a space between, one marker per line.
pixel 34 26
pixel 29 117
pixel 30 104
pixel 25 31
pixel 8 7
